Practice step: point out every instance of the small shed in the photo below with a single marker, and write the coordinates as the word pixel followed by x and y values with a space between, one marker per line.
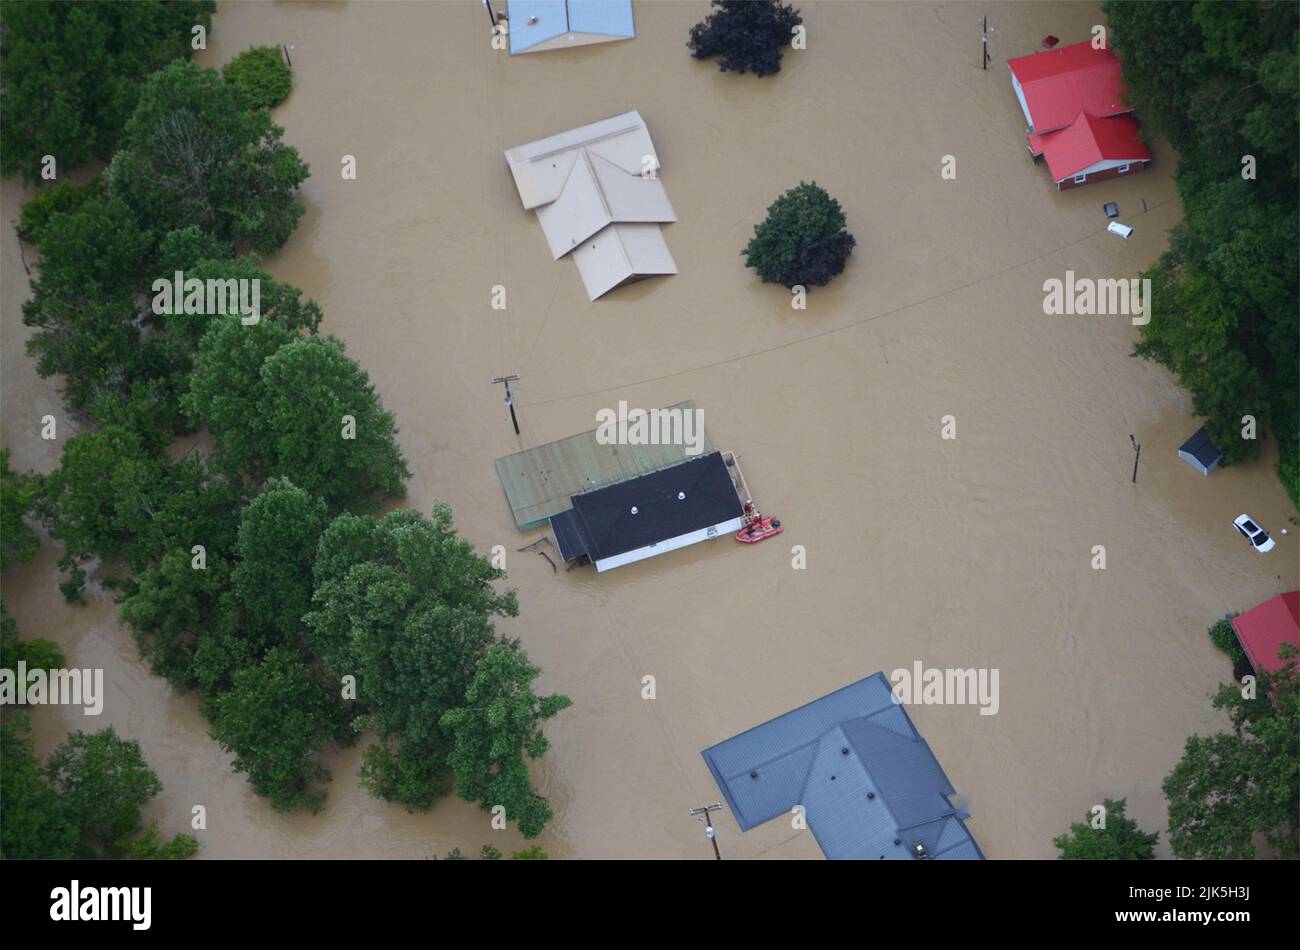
pixel 1200 453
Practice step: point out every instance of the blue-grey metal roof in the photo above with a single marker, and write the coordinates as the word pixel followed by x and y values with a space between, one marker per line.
pixel 1200 448
pixel 533 22
pixel 856 763
pixel 606 17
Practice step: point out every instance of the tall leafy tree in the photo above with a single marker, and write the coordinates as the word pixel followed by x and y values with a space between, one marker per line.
pixel 173 606
pixel 276 719
pixel 70 73
pixel 35 824
pixel 329 432
pixel 193 153
pixel 802 241
pixel 83 304
pixel 1120 840
pixel 227 395
pixel 102 782
pixel 37 654
pixel 18 542
pixel 278 535
pixel 1221 81
pixel 404 605
pixel 1232 786
pixel 745 35
pixel 500 725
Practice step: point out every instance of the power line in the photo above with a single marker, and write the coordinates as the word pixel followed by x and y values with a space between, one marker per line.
pixel 824 333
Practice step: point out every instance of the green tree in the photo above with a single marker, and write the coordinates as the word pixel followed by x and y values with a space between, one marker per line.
pixel 227 395
pixel 1219 81
pixel 260 75
pixel 172 607
pixel 497 727
pixel 745 35
pixel 102 782
pixel 111 497
pixel 37 654
pixel 83 304
pixel 802 241
pixel 70 73
pixel 18 493
pixel 1231 786
pixel 276 719
pixel 329 432
pixel 35 824
pixel 193 153
pixel 63 198
pixel 1224 636
pixel 278 535
pixel 1119 840
pixel 404 604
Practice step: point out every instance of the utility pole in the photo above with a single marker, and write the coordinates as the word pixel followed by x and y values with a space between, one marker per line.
pixel 1137 454
pixel 984 31
pixel 509 402
pixel 702 814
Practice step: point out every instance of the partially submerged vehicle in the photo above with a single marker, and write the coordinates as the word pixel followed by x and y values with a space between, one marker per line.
pixel 1253 533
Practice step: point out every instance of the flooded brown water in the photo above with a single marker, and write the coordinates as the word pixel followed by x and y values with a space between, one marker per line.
pixel 967 553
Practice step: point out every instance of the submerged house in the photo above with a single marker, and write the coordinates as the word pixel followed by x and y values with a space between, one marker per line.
pixel 870 786
pixel 598 197
pixel 1200 453
pixel 1076 117
pixel 1264 628
pixel 655 513
pixel 537 25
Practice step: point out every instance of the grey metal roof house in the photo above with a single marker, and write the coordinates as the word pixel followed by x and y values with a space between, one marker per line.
pixel 1200 453
pixel 651 514
pixel 870 786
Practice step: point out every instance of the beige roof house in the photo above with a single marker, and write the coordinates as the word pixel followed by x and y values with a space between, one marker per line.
pixel 597 196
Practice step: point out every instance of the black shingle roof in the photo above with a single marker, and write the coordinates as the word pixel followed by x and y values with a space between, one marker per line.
pixel 673 501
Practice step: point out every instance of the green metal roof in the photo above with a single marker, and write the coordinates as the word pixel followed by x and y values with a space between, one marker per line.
pixel 540 481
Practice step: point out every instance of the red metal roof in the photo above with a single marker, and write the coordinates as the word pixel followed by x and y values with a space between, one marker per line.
pixel 1263 629
pixel 1059 83
pixel 1087 141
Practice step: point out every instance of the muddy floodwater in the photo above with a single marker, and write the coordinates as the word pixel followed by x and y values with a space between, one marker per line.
pixel 974 552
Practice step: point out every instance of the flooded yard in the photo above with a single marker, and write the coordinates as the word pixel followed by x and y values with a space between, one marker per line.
pixel 973 552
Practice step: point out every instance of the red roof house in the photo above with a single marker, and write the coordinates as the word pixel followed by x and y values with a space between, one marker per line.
pixel 1073 101
pixel 1263 629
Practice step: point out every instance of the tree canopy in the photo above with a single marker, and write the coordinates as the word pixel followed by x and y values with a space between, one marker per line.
pixel 276 718
pixel 802 241
pixel 70 74
pixel 195 153
pixel 1219 81
pixel 18 542
pixel 1119 840
pixel 260 76
pixel 496 731
pixel 1232 786
pixel 745 35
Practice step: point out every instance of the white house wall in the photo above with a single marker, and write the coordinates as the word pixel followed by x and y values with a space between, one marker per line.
pixel 672 544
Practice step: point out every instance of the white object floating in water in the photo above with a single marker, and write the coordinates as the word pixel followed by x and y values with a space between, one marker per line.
pixel 1123 230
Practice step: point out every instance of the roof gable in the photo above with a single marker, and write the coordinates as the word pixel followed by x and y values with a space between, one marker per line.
pixel 1265 627
pixel 1059 83
pixel 671 502
pixel 871 786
